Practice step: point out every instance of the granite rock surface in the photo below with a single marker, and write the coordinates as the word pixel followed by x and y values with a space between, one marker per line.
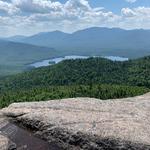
pixel 87 123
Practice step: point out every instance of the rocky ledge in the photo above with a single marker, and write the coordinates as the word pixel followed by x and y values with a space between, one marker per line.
pixel 87 123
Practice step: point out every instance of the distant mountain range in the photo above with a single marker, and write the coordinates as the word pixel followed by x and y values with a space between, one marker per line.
pixel 94 41
pixel 17 51
pixel 16 38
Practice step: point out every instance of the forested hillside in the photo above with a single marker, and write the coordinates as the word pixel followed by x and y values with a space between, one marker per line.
pixel 87 71
pixel 14 57
pixel 93 77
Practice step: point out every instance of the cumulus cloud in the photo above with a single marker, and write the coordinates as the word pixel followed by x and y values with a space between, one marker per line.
pixel 127 12
pixel 8 8
pixel 139 12
pixel 37 6
pixel 31 16
pixel 135 18
pixel 50 15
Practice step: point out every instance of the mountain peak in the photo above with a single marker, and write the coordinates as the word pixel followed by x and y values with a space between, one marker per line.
pixel 49 33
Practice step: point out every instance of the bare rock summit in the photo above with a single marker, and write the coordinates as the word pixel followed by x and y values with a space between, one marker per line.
pixel 87 123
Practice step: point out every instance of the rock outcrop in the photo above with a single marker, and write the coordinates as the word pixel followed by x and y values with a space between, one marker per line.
pixel 88 123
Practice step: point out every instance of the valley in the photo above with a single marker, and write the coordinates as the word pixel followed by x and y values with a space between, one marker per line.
pixel 95 41
pixel 17 52
pixel 15 56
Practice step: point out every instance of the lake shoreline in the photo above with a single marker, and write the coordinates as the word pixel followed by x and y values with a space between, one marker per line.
pixel 55 60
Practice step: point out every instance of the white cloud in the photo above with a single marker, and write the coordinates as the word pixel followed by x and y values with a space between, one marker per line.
pixel 139 12
pixel 8 8
pixel 37 6
pixel 50 15
pixel 135 18
pixel 127 12
pixel 31 16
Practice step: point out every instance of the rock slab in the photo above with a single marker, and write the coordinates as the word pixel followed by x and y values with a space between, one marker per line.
pixel 88 123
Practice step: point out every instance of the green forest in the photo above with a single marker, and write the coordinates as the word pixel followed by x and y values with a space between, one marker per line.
pixel 93 77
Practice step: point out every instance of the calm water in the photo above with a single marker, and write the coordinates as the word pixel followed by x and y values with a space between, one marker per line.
pixel 48 62
pixel 116 58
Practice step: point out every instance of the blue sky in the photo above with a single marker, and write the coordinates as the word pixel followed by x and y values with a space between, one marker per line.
pixel 117 5
pixel 27 17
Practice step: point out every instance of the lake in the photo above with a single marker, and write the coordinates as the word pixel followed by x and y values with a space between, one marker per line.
pixel 52 61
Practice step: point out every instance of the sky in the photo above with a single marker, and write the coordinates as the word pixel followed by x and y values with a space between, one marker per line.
pixel 27 17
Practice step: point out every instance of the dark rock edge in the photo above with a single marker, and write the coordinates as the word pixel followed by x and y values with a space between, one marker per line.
pixel 67 140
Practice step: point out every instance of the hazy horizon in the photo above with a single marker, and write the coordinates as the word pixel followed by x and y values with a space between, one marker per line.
pixel 71 32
